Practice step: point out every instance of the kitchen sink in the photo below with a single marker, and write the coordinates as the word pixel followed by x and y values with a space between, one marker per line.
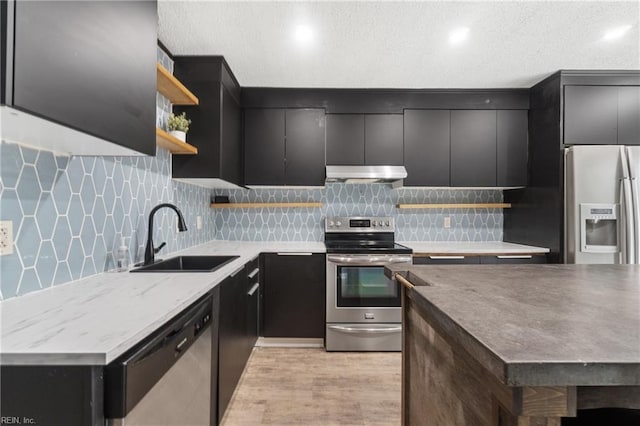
pixel 187 264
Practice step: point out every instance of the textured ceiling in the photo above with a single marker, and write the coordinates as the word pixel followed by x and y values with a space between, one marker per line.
pixel 402 44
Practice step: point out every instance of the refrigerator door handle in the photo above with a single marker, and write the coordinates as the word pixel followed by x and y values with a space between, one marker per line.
pixel 626 202
pixel 635 208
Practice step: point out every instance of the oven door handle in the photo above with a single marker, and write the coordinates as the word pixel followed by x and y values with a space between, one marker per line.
pixel 368 260
pixel 358 330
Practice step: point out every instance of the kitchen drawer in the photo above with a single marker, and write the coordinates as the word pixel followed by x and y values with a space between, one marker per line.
pixel 446 260
pixel 513 259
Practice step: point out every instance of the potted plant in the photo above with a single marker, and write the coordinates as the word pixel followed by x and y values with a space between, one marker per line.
pixel 178 126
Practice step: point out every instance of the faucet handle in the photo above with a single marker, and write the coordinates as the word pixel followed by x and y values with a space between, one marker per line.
pixel 157 249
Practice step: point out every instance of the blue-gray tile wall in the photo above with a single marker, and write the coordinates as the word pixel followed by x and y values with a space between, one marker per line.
pixel 68 214
pixel 307 224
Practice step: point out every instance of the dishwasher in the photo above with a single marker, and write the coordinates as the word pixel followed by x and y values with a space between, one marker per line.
pixel 166 379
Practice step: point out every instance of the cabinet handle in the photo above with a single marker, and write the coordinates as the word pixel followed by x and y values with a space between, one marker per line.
pixel 357 330
pixel 234 273
pixel 446 257
pixel 515 256
pixel 253 289
pixel 294 254
pixel 253 273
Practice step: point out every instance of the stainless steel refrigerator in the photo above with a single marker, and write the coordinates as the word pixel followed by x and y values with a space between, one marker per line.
pixel 602 213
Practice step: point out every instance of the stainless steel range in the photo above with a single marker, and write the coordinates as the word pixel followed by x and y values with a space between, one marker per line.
pixel 363 306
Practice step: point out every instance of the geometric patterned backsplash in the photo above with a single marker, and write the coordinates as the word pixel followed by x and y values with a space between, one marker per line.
pixel 69 213
pixel 307 224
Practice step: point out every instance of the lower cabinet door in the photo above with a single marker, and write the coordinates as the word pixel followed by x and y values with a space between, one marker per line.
pixel 232 341
pixel 294 295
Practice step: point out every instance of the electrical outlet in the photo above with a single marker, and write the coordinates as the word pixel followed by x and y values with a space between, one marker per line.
pixel 198 222
pixel 447 222
pixel 6 237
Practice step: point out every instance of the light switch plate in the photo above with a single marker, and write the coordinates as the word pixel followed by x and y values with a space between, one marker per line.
pixel 198 222
pixel 6 237
pixel 447 222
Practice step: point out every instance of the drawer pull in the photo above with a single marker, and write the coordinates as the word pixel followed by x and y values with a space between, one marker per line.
pixel 253 273
pixel 294 254
pixel 445 257
pixel 253 289
pixel 516 256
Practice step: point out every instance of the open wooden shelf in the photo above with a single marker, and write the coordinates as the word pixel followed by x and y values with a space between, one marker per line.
pixel 456 206
pixel 264 205
pixel 173 144
pixel 173 89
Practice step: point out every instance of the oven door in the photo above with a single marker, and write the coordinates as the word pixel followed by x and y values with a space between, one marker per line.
pixel 358 290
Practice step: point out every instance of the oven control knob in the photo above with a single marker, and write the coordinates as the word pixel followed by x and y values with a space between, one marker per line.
pixel 387 223
pixel 373 223
pixel 330 223
pixel 338 223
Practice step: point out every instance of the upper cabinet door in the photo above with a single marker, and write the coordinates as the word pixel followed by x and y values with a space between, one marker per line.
pixel 629 115
pixel 383 140
pixel 231 143
pixel 427 147
pixel 264 133
pixel 590 115
pixel 473 148
pixel 90 66
pixel 345 139
pixel 512 147
pixel 305 147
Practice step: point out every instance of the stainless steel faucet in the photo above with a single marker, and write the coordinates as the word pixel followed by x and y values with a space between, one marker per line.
pixel 150 250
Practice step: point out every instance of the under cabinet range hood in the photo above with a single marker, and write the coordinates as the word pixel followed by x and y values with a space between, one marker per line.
pixel 367 174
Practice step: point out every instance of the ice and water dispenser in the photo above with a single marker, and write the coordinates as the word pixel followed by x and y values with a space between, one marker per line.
pixel 599 228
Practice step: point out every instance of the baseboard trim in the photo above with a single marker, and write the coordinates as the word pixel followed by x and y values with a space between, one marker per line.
pixel 289 342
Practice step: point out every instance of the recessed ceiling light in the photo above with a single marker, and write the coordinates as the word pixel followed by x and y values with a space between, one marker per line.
pixel 458 35
pixel 303 34
pixel 616 33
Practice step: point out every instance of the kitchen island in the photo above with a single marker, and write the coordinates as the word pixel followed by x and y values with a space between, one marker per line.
pixel 518 344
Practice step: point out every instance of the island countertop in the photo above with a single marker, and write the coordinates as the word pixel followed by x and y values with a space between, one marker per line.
pixel 537 325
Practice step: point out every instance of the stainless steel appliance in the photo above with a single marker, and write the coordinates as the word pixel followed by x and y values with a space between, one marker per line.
pixel 602 214
pixel 363 306
pixel 165 380
pixel 367 174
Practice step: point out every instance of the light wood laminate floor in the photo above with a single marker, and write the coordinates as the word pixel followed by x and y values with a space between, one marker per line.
pixel 291 386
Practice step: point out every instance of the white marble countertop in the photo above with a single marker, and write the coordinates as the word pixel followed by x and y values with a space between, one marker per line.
pixel 95 320
pixel 471 248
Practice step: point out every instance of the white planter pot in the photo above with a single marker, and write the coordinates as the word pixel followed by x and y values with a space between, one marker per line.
pixel 179 134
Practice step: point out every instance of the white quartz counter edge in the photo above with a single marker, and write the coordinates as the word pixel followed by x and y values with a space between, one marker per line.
pixel 95 320
pixel 488 247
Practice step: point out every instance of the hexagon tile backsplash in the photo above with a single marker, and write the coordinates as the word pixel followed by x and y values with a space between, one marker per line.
pixel 307 224
pixel 69 213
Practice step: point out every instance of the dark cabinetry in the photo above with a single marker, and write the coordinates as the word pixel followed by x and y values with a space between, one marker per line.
pixel 512 143
pixel 473 148
pixel 590 115
pixel 427 144
pixel 232 339
pixel 383 140
pixel 629 115
pixel 89 66
pixel 345 139
pixel 215 124
pixel 294 295
pixel 601 115
pixel 465 147
pixel 358 139
pixel 238 329
pixel 284 146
